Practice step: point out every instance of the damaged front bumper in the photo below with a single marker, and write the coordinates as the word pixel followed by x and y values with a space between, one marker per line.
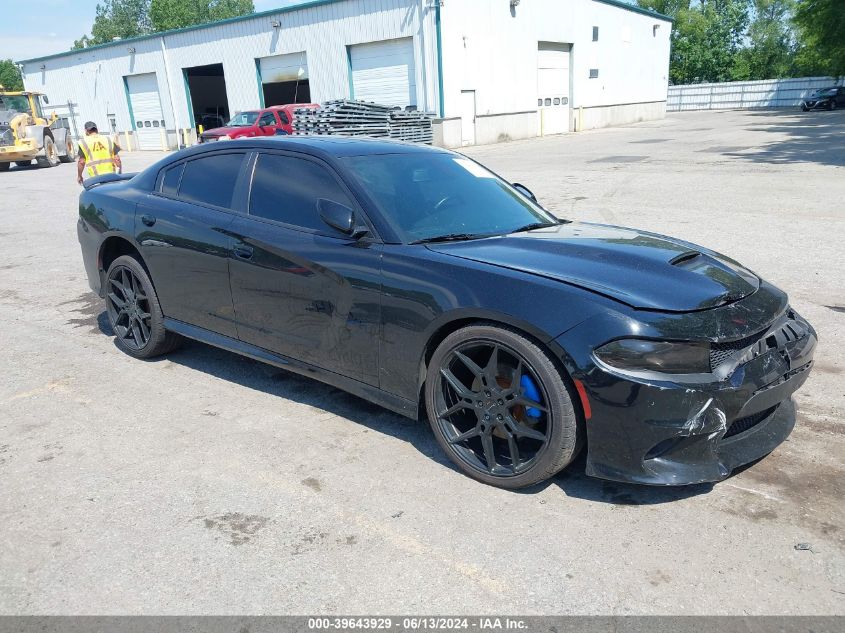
pixel 644 429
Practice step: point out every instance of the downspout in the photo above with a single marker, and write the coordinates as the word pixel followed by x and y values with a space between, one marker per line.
pixel 170 88
pixel 439 57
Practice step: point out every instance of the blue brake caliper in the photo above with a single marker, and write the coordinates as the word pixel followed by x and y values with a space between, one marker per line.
pixel 529 388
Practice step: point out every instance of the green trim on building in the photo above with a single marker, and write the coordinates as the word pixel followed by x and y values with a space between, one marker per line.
pixel 260 83
pixel 632 7
pixel 440 95
pixel 349 70
pixel 188 97
pixel 186 29
pixel 129 101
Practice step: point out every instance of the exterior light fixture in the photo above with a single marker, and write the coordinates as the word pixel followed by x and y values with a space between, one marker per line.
pixel 514 3
pixel 276 24
pixel 131 50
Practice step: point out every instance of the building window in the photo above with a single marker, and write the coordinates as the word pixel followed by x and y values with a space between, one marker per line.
pixel 594 73
pixel 595 34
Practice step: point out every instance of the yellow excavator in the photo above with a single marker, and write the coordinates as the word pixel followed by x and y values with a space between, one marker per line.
pixel 27 135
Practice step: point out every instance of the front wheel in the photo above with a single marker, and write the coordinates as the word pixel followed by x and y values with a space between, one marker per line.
pixel 804 108
pixel 51 154
pixel 134 311
pixel 832 106
pixel 500 408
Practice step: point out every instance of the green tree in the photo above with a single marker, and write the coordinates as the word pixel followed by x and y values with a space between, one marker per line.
pixel 10 76
pixel 175 14
pixel 822 27
pixel 117 19
pixel 770 52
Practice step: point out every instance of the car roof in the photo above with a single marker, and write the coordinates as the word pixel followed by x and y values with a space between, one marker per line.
pixel 326 146
pixel 292 105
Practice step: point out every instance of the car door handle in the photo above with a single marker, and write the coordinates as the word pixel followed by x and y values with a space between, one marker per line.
pixel 243 251
pixel 147 219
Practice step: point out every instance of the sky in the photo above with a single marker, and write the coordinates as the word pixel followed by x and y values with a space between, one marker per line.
pixel 52 27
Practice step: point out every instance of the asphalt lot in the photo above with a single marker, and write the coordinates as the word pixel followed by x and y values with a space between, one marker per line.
pixel 205 483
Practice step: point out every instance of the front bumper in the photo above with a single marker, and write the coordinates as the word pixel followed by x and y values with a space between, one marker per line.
pixel 651 431
pixel 22 150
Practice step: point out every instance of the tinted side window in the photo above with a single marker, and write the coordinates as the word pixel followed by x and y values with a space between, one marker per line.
pixel 211 180
pixel 170 181
pixel 286 189
pixel 267 119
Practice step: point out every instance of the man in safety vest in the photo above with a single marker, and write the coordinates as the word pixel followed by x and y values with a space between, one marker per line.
pixel 98 153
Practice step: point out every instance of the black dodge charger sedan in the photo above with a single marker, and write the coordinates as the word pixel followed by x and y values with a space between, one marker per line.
pixel 417 279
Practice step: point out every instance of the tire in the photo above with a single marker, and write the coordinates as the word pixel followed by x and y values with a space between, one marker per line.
pixel 489 415
pixel 804 108
pixel 832 106
pixel 5 166
pixel 133 310
pixel 70 149
pixel 51 155
pixel 23 163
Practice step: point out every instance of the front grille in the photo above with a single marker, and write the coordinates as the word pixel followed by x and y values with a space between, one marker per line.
pixel 793 329
pixel 746 423
pixel 720 353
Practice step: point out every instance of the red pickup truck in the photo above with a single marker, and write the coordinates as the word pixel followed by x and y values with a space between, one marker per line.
pixel 271 121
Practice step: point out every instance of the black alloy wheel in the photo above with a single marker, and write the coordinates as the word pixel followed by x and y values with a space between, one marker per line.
pixel 134 311
pixel 500 407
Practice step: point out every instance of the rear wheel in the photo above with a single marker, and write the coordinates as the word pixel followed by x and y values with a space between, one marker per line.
pixel 5 166
pixel 134 311
pixel 70 150
pixel 51 154
pixel 804 107
pixel 832 105
pixel 499 407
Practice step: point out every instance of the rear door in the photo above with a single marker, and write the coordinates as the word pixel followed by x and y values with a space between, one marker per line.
pixel 301 288
pixel 183 231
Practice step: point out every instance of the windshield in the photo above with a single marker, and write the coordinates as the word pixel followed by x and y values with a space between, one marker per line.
pixel 17 103
pixel 826 92
pixel 243 119
pixel 428 195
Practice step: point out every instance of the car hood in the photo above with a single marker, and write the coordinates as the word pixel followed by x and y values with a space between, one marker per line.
pixel 643 270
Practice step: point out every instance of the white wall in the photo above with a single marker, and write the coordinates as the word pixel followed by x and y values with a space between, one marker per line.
pixel 94 78
pixel 489 48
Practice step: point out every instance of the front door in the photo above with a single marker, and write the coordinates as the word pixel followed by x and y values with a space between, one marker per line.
pixel 182 230
pixel 300 288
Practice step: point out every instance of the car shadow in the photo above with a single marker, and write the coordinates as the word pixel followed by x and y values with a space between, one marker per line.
pixel 817 136
pixel 258 376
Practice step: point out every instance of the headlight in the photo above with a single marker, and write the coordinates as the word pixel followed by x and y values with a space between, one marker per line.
pixel 225 137
pixel 662 356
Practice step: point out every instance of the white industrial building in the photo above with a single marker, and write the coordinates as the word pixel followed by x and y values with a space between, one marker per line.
pixel 490 70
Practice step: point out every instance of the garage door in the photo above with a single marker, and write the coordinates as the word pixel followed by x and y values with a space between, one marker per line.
pixel 553 87
pixel 146 109
pixel 280 68
pixel 384 72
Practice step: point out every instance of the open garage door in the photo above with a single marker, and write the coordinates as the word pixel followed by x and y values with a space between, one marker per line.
pixel 384 72
pixel 207 95
pixel 145 105
pixel 284 79
pixel 553 87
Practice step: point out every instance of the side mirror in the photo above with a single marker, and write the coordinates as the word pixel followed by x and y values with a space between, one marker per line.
pixel 338 216
pixel 525 191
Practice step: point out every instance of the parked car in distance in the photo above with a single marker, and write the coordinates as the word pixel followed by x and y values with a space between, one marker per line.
pixel 825 99
pixel 415 278
pixel 272 121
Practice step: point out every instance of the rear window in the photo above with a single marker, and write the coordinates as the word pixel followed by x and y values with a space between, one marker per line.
pixel 170 181
pixel 211 180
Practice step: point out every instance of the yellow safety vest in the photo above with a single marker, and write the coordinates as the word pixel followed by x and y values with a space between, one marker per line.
pixel 99 154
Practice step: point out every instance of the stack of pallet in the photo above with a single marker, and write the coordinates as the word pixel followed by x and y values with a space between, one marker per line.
pixel 411 126
pixel 345 117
